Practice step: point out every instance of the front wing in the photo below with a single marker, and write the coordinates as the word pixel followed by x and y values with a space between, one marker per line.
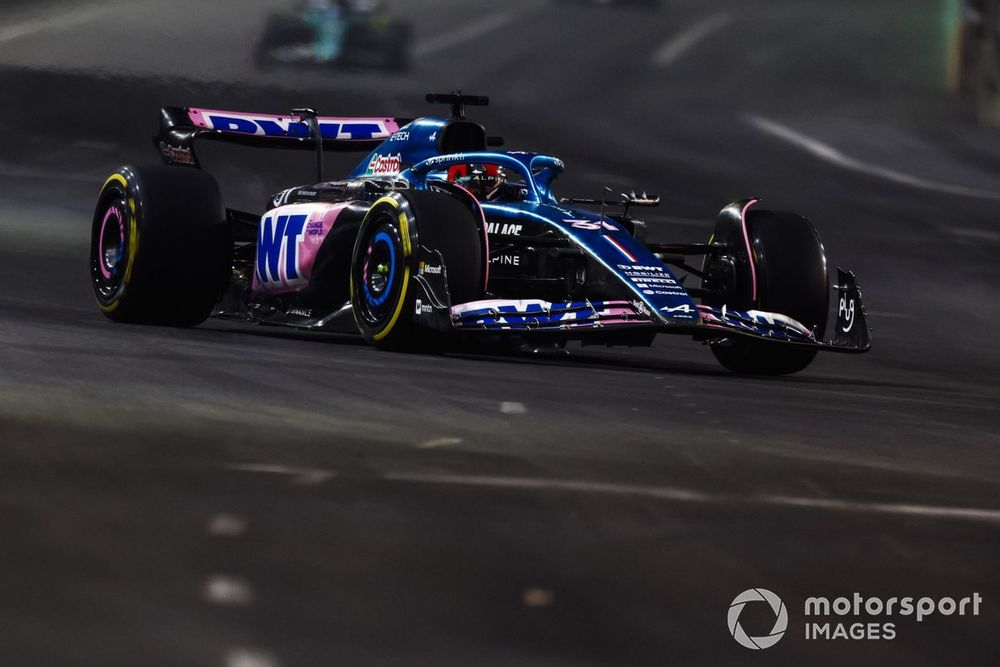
pixel 527 316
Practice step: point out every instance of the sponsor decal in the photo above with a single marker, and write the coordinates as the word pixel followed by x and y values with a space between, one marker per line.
pixel 314 228
pixel 657 280
pixel 845 313
pixel 424 267
pixel 278 250
pixel 503 228
pixel 756 321
pixel 532 313
pixel 639 267
pixel 385 164
pixel 402 135
pixel 506 260
pixel 299 312
pixel 339 129
pixel 177 154
pixel 683 308
pixel 422 308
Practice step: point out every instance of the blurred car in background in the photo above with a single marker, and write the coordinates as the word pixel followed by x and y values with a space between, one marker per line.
pixel 348 33
pixel 975 58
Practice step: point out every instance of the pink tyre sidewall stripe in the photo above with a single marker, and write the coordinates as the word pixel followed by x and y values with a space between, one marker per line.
pixel 100 240
pixel 746 239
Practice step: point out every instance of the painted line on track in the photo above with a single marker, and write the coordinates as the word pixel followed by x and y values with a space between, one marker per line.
pixel 436 443
pixel 56 22
pixel 979 515
pixel 683 42
pixel 833 156
pixel 227 590
pixel 465 33
pixel 249 657
pixel 303 476
pixel 512 408
pixel 226 525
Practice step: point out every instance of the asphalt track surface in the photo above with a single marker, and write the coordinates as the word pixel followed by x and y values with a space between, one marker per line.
pixel 233 495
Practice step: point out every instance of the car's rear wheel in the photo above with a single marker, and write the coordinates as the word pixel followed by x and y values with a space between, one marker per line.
pixel 161 248
pixel 385 260
pixel 774 262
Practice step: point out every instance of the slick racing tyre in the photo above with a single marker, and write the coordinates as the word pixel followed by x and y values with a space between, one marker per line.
pixel 784 272
pixel 385 259
pixel 160 246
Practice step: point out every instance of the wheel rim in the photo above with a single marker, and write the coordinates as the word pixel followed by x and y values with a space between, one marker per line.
pixel 379 277
pixel 110 242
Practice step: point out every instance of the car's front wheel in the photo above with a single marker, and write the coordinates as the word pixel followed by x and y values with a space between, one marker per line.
pixel 774 262
pixel 385 259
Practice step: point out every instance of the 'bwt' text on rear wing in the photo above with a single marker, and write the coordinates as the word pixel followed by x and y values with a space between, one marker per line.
pixel 180 126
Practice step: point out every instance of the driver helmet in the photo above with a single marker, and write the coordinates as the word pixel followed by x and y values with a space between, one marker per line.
pixel 482 180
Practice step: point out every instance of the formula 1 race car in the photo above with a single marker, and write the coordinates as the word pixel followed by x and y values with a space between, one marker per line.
pixel 359 33
pixel 434 237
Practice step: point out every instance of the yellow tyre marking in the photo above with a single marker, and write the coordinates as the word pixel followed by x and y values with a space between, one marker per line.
pixel 133 241
pixel 115 177
pixel 399 307
pixel 391 201
pixel 404 231
pixel 404 224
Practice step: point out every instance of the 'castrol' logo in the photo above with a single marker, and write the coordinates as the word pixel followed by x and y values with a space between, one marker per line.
pixel 385 164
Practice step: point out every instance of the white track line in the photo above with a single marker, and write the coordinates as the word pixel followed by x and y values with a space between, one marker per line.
pixel 512 408
pixel 228 590
pixel 681 43
pixel 688 496
pixel 304 476
pixel 226 525
pixel 439 442
pixel 61 21
pixel 248 657
pixel 466 33
pixel 833 156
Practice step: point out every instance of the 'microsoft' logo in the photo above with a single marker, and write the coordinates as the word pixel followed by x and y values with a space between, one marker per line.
pixel 780 622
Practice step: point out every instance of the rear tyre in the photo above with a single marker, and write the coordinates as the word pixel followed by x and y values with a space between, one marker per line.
pixel 385 260
pixel 786 274
pixel 161 248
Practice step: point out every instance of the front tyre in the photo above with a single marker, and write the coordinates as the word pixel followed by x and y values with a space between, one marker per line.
pixel 161 248
pixel 385 260
pixel 774 262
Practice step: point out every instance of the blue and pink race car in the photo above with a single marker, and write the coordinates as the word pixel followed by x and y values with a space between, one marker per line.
pixel 436 236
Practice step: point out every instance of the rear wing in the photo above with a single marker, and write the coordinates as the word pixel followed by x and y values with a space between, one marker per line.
pixel 180 126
